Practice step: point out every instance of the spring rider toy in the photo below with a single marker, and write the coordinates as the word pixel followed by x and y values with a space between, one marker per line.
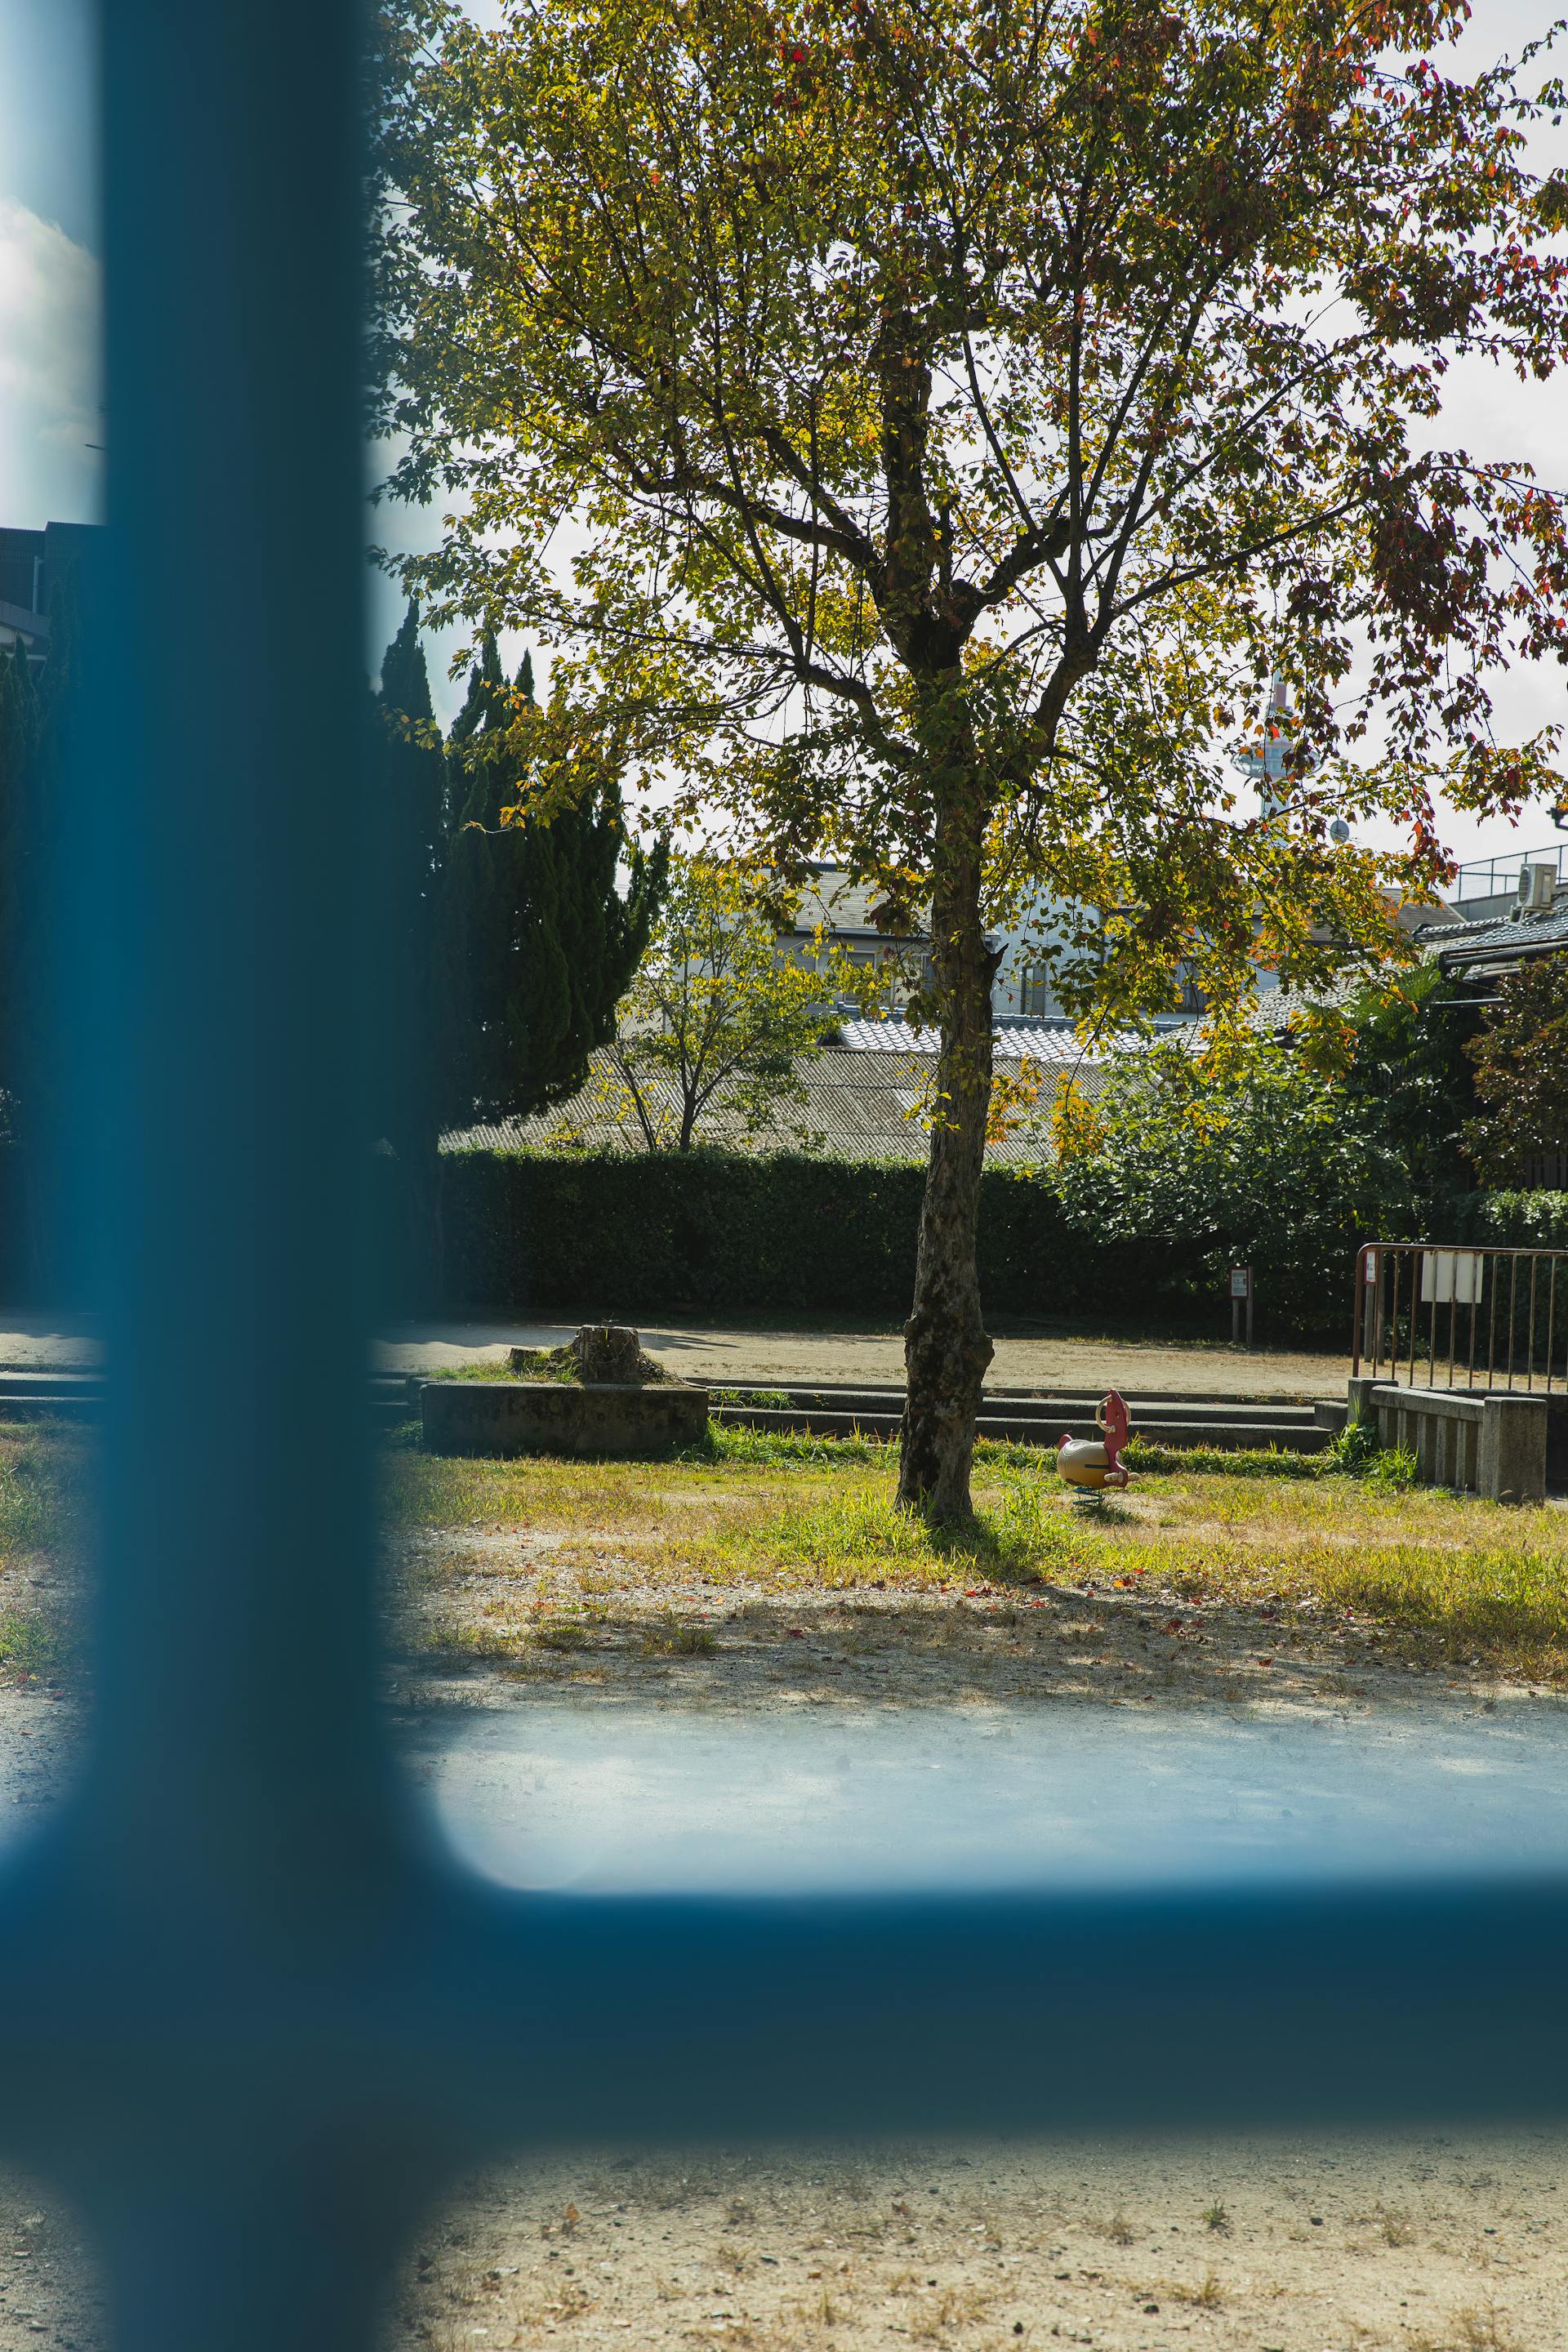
pixel 1096 1462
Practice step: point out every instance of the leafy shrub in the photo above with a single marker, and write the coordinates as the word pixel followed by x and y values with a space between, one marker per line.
pixel 1269 1165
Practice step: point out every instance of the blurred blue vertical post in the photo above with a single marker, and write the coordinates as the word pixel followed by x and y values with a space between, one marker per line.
pixel 219 935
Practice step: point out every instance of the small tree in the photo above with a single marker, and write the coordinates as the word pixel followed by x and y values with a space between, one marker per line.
pixel 1522 1072
pixel 1409 1065
pixel 39 714
pixel 718 1017
pixel 20 799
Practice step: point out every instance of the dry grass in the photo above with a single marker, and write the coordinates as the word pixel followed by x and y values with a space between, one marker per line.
pixel 1485 1585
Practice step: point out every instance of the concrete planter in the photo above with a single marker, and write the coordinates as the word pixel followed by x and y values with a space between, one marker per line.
pixel 591 1418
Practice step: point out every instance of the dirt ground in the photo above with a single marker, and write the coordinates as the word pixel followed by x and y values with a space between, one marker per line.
pixel 1441 2242
pixel 476 1597
pixel 1436 2244
pixel 1028 1355
pixel 1425 2244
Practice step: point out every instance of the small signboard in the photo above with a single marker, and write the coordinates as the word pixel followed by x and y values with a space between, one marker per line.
pixel 1451 1277
pixel 1240 1302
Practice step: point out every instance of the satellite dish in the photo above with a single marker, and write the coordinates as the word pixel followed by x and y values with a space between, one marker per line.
pixel 1339 830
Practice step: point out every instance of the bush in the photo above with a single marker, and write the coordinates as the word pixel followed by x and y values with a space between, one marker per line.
pixel 1269 1165
pixel 720 1233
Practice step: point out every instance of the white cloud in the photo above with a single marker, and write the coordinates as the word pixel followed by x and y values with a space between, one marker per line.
pixel 49 372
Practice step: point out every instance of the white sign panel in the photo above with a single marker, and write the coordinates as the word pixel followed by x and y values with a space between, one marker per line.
pixel 1451 1277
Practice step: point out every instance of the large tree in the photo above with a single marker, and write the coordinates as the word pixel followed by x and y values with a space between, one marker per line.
pixel 517 910
pixel 932 426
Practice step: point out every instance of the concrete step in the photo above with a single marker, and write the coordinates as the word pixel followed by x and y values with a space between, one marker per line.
pixel 1021 1405
pixel 1297 1436
pixel 78 1396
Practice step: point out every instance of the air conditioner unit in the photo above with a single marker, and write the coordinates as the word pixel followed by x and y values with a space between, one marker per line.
pixel 1537 889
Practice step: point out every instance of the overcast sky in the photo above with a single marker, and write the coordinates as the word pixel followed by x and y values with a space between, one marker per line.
pixel 49 415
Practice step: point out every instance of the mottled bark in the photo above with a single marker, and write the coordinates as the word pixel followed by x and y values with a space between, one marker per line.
pixel 946 1351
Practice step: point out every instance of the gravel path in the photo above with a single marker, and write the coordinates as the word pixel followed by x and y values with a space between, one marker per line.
pixel 1027 1357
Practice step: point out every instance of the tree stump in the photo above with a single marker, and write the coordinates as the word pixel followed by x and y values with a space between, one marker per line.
pixel 610 1352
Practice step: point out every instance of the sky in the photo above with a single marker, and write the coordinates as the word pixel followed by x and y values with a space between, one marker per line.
pixel 50 417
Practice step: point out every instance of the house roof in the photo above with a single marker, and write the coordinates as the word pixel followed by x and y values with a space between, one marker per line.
pixel 1500 944
pixel 858 1105
pixel 1054 1044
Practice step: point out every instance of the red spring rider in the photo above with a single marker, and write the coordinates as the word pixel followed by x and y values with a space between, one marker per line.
pixel 1097 1462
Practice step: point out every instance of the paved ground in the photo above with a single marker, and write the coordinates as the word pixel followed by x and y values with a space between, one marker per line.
pixel 1028 1356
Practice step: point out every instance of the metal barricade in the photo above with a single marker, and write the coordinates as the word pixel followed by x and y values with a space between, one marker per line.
pixel 251 2017
pixel 1462 1316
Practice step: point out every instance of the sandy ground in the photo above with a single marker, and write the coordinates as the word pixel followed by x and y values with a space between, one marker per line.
pixel 1027 1357
pixel 1327 2246
pixel 1444 2242
pixel 1439 2243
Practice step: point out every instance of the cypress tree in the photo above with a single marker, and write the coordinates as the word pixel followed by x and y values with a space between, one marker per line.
pixel 513 944
pixel 409 843
pixel 40 711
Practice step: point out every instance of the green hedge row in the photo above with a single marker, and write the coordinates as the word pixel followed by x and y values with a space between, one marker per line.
pixel 1513 1219
pixel 721 1231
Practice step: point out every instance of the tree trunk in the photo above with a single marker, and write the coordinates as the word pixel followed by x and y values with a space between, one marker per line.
pixel 946 1351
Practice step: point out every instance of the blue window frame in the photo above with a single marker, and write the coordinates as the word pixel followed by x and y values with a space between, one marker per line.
pixel 250 2021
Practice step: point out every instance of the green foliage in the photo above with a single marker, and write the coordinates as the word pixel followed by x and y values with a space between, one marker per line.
pixel 1522 1071
pixel 408 844
pixel 1408 1064
pixel 1010 498
pixel 716 1232
pixel 1354 1447
pixel 23 796
pixel 1357 1452
pixel 717 1018
pixel 1264 1162
pixel 39 714
pixel 1513 1219
pixel 505 942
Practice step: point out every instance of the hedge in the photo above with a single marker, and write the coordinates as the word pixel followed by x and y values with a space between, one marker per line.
pixel 724 1233
pixel 720 1233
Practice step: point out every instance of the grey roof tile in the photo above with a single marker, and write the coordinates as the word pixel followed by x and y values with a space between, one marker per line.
pixel 858 1105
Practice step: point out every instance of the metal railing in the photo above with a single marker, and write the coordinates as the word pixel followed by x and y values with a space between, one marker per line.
pixel 1498 877
pixel 1439 1316
pixel 251 2016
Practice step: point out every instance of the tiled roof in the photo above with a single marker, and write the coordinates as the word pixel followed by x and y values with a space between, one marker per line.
pixel 1503 941
pixel 1052 1043
pixel 857 1106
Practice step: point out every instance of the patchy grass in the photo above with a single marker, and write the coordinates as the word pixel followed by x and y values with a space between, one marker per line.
pixel 43 1531
pixel 1485 1584
pixel 43 1488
